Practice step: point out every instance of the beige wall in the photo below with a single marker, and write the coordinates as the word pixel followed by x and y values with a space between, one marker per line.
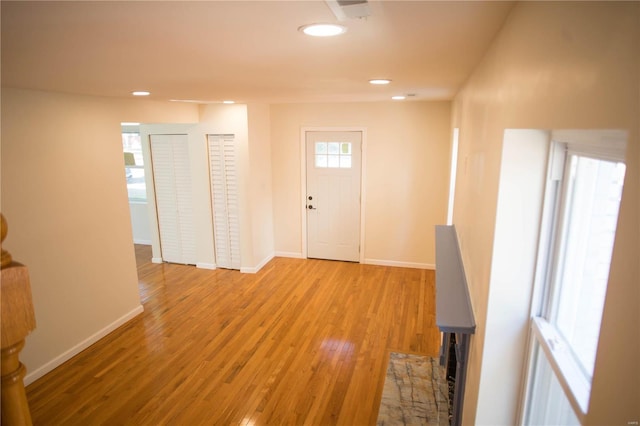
pixel 260 189
pixel 554 66
pixel 64 196
pixel 406 177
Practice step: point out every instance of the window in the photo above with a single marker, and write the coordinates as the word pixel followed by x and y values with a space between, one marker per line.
pixel 333 155
pixel 583 199
pixel 134 167
pixel 452 176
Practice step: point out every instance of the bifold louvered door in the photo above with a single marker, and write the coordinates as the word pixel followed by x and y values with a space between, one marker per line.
pixel 174 203
pixel 224 197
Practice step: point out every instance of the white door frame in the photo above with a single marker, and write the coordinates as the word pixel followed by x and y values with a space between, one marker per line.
pixel 303 180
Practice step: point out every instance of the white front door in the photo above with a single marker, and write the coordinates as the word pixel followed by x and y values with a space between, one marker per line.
pixel 333 195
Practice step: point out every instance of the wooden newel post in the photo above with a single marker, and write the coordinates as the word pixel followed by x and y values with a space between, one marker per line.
pixel 18 320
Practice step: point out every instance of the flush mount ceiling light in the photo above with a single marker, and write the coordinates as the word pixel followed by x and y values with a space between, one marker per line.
pixel 228 102
pixel 323 30
pixel 140 93
pixel 398 98
pixel 380 81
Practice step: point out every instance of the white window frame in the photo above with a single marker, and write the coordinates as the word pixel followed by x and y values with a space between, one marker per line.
pixel 135 131
pixel 606 145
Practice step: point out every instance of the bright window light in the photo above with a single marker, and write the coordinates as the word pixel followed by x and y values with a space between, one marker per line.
pixel 452 176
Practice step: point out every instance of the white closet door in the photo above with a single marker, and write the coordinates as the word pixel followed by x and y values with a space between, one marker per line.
pixel 174 203
pixel 224 196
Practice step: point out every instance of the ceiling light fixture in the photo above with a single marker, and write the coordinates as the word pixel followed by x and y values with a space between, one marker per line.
pixel 323 30
pixel 140 93
pixel 228 102
pixel 398 98
pixel 380 81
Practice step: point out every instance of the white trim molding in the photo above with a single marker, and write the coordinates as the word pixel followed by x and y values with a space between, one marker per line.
pixel 204 265
pixel 414 265
pixel 156 260
pixel 75 350
pixel 289 254
pixel 255 269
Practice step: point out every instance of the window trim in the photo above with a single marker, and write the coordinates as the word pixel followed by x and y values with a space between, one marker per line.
pixel 136 166
pixel 606 145
pixel 577 388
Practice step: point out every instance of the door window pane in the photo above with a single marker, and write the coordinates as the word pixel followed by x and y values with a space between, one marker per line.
pixel 333 155
pixel 321 161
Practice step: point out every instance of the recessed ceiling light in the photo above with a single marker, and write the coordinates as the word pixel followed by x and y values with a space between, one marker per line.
pixel 379 81
pixel 323 30
pixel 140 93
pixel 398 98
pixel 228 102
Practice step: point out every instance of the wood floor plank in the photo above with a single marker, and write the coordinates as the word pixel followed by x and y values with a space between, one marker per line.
pixel 303 341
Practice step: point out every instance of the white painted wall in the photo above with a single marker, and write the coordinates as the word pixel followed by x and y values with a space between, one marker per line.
pixel 518 216
pixel 139 213
pixel 65 198
pixel 407 163
pixel 554 65
pixel 260 186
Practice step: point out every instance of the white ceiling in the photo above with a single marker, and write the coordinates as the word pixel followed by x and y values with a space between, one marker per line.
pixel 248 51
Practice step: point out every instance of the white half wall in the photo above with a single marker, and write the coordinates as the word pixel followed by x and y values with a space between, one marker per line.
pixel 515 246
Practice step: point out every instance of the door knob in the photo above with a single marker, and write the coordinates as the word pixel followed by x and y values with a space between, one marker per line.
pixel 310 198
pixel 310 207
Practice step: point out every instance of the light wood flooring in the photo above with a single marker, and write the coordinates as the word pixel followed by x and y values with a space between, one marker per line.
pixel 300 342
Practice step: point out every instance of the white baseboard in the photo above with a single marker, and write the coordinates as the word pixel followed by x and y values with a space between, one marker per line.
pixel 379 262
pixel 143 242
pixel 156 260
pixel 60 359
pixel 249 270
pixel 205 265
pixel 289 254
pixel 399 264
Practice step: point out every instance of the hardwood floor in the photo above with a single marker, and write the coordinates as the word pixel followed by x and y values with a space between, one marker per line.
pixel 300 342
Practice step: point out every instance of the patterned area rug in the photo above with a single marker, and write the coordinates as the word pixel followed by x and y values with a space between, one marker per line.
pixel 415 392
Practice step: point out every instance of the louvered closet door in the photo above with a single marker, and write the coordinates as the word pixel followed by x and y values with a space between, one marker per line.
pixel 224 196
pixel 174 203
